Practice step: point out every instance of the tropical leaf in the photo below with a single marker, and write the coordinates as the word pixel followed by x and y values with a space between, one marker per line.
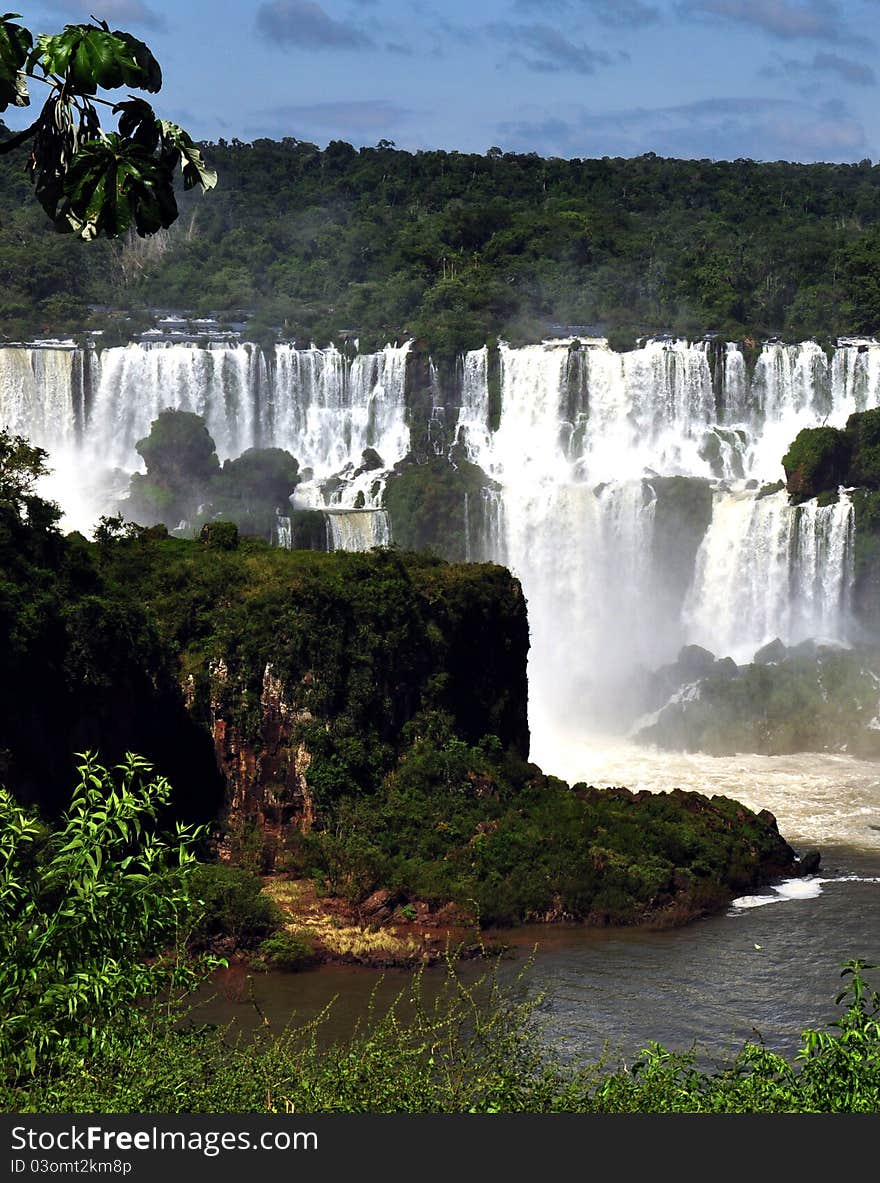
pixel 178 148
pixel 90 58
pixel 60 131
pixel 114 184
pixel 138 122
pixel 150 68
pixel 15 45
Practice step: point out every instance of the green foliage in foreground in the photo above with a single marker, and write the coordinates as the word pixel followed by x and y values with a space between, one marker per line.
pixel 474 1048
pixel 90 181
pixel 92 914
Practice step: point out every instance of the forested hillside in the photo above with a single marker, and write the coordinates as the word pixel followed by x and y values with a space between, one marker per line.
pixel 456 248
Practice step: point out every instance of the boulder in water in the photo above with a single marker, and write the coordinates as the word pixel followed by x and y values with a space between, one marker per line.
pixel 370 461
pixel 808 864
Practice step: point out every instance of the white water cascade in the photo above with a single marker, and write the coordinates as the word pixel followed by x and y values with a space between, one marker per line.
pixel 89 409
pixel 582 436
pixel 357 529
pixel 768 570
pixel 579 463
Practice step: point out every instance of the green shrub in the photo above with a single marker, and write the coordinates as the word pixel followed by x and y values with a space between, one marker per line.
pixel 219 535
pixel 93 914
pixel 476 1048
pixel 472 825
pixel 289 951
pixel 818 460
pixel 231 904
pixel 863 431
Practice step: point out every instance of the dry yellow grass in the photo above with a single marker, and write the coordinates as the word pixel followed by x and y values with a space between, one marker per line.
pixel 340 938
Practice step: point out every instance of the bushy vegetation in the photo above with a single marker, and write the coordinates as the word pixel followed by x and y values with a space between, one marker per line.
pixel 432 505
pixel 184 480
pixel 94 915
pixel 361 644
pixel 474 1049
pixel 483 829
pixel 455 247
pixel 818 461
pixel 232 906
pixel 82 664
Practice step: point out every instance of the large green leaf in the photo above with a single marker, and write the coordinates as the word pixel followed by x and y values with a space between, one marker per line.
pixel 150 68
pixel 178 148
pixel 61 129
pixel 114 184
pixel 90 57
pixel 138 122
pixel 15 45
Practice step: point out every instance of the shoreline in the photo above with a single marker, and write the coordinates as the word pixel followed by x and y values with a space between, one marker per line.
pixel 384 933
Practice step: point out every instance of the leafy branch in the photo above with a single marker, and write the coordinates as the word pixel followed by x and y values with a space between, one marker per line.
pixel 93 915
pixel 88 180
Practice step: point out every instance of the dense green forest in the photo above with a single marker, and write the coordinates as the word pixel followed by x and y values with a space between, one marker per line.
pixel 454 248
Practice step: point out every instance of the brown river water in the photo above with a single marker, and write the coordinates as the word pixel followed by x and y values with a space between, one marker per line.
pixel 767 968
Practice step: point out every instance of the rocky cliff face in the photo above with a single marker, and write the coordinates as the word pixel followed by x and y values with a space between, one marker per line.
pixel 292 677
pixel 315 671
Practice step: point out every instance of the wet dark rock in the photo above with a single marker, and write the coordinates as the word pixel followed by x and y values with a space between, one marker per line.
pixel 771 653
pixel 807 648
pixel 380 905
pixel 370 461
pixel 725 667
pixel 694 661
pixel 809 862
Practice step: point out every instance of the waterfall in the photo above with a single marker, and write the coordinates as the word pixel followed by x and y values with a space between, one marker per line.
pixel 484 526
pixel 581 502
pixel 283 532
pixel 136 382
pixel 473 418
pixel 41 393
pixel 767 569
pixel 358 529
pixel 89 409
pixel 585 441
pixel 326 408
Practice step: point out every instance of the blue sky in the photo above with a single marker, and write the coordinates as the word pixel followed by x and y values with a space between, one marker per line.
pixel 766 79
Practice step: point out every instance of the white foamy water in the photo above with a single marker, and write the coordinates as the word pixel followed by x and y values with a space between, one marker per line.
pixel 90 409
pixel 818 799
pixel 808 888
pixel 358 529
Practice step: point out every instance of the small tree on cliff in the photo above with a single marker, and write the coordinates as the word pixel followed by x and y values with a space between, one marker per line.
pixel 88 180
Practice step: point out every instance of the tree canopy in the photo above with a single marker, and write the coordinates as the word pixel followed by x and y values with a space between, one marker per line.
pixel 88 180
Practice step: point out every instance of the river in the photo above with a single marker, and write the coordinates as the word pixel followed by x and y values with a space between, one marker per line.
pixel 765 969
